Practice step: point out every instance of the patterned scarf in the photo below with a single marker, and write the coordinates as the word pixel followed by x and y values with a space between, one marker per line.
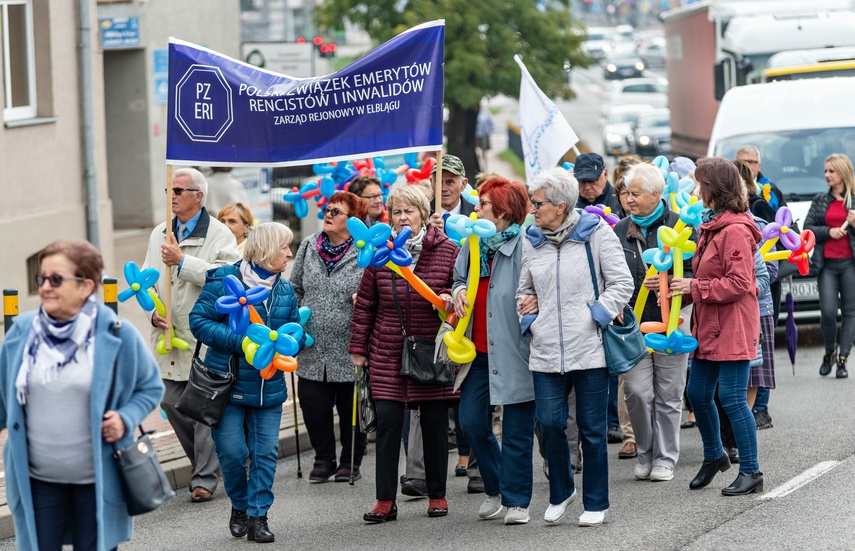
pixel 331 254
pixel 708 215
pixel 490 245
pixel 51 345
pixel 415 243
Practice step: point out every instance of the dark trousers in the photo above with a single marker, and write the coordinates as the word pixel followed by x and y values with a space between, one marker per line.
pixel 836 285
pixel 434 424
pixel 317 400
pixel 58 507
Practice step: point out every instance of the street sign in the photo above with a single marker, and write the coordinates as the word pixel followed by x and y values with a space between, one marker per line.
pixel 286 58
pixel 120 32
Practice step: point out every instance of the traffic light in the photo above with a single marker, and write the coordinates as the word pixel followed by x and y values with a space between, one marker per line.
pixel 327 50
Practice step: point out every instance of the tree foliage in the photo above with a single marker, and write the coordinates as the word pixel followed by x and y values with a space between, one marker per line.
pixel 481 38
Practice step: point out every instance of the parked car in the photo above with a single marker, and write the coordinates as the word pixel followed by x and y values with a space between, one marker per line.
pixel 622 65
pixel 652 52
pixel 598 42
pixel 648 91
pixel 651 133
pixel 617 128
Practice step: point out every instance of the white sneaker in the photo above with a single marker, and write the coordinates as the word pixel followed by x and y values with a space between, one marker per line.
pixel 642 471
pixel 491 508
pixel 592 518
pixel 555 512
pixel 517 515
pixel 661 474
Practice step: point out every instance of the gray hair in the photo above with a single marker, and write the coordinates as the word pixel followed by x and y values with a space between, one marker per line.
pixel 264 242
pixel 559 186
pixel 648 176
pixel 415 196
pixel 750 149
pixel 197 178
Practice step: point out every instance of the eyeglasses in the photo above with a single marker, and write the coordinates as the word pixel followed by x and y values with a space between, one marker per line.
pixel 55 279
pixel 371 197
pixel 588 183
pixel 750 161
pixel 538 204
pixel 484 203
pixel 180 190
pixel 333 212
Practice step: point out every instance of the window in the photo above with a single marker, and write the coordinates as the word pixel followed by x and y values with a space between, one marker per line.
pixel 19 72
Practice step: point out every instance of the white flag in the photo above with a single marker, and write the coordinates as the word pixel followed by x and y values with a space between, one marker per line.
pixel 546 135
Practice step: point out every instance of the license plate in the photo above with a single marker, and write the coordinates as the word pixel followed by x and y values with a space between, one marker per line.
pixel 804 290
pixel 626 72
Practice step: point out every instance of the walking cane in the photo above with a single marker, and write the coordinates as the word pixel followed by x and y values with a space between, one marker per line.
pixel 296 428
pixel 353 422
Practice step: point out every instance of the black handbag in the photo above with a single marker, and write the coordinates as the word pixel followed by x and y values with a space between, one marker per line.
pixel 623 344
pixel 418 353
pixel 143 481
pixel 207 392
pixel 365 401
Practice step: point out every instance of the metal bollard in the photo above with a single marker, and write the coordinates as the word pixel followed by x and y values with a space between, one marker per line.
pixel 10 308
pixel 111 293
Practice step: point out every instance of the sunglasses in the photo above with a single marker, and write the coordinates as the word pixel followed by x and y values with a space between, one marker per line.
pixel 55 279
pixel 538 204
pixel 180 190
pixel 333 212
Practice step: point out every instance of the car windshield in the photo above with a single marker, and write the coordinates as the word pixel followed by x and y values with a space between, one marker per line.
pixel 624 59
pixel 654 119
pixel 597 36
pixel 794 160
pixel 617 117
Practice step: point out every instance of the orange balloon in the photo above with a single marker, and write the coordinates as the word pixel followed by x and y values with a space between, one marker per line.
pixel 268 372
pixel 421 288
pixel 253 315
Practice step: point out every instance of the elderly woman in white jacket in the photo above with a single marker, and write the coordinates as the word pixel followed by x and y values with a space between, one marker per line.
pixel 559 309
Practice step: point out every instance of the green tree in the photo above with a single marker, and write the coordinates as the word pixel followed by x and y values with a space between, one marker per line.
pixel 481 38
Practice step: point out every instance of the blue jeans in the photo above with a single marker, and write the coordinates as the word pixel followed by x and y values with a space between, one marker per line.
pixel 60 508
pixel 592 396
pixel 761 402
pixel 732 379
pixel 613 419
pixel 260 442
pixel 507 471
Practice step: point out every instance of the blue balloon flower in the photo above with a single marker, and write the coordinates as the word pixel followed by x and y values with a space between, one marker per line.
pixel 394 251
pixel 285 341
pixel 367 239
pixel 236 302
pixel 675 343
pixel 139 282
pixel 305 314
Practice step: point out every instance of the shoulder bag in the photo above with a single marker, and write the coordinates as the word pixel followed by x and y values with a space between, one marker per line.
pixel 207 392
pixel 417 357
pixel 623 344
pixel 143 481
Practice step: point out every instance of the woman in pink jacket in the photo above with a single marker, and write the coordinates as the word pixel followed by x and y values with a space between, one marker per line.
pixel 726 322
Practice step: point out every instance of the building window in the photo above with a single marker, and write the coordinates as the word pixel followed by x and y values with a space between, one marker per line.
pixel 19 71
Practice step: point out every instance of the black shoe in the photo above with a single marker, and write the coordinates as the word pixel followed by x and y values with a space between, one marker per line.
pixel 841 367
pixel 688 424
pixel 475 485
pixel 733 454
pixel 258 531
pixel 828 360
pixel 745 484
pixel 614 435
pixel 237 523
pixel 414 487
pixel 343 474
pixel 460 470
pixel 708 471
pixel 763 420
pixel 321 472
pixel 376 517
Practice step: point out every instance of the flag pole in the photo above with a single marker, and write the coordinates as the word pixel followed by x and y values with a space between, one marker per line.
pixel 167 283
pixel 438 180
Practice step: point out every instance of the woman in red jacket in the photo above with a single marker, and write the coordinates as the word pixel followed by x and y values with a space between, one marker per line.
pixel 376 342
pixel 726 322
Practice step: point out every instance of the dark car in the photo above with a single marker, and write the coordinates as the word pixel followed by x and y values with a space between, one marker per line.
pixel 652 133
pixel 622 65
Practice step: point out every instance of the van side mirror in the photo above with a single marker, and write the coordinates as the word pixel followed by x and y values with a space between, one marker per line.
pixel 718 76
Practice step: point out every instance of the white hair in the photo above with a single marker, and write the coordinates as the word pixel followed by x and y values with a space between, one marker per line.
pixel 750 149
pixel 559 186
pixel 647 176
pixel 197 178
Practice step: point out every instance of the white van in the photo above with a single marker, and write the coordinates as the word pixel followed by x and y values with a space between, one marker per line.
pixel 796 125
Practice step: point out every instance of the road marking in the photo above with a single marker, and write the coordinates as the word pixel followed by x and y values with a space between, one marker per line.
pixel 797 482
pixel 157 435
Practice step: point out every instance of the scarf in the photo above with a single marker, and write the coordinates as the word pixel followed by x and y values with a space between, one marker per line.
pixel 559 235
pixel 330 254
pixel 253 276
pixel 415 243
pixel 51 345
pixel 490 245
pixel 644 222
pixel 708 215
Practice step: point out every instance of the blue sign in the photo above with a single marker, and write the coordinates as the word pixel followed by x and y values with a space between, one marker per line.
pixel 120 32
pixel 161 89
pixel 160 61
pixel 223 112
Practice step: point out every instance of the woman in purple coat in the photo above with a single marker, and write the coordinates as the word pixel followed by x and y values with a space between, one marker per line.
pixel 376 343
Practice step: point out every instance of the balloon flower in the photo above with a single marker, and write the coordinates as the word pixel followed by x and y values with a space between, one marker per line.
pixel 676 342
pixel 305 314
pixel 674 186
pixel 238 303
pixel 800 256
pixel 603 212
pixel 174 342
pixel 366 239
pixel 780 230
pixel 140 286
pixel 423 173
pixel 471 195
pixel 268 350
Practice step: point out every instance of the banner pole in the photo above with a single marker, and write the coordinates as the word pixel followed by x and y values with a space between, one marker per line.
pixel 438 180
pixel 167 283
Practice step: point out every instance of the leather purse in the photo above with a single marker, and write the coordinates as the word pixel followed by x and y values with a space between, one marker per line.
pixel 623 344
pixel 418 354
pixel 207 392
pixel 365 401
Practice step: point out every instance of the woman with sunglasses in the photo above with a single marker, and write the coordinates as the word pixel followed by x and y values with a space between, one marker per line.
pixel 66 399
pixel 325 279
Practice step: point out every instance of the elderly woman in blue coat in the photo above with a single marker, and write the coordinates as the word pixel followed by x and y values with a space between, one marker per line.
pixel 255 403
pixel 65 403
pixel 499 375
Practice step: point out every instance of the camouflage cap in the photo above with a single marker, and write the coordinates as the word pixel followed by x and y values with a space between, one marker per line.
pixel 452 164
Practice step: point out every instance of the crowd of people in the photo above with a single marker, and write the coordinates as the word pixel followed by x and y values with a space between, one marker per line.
pixel 552 279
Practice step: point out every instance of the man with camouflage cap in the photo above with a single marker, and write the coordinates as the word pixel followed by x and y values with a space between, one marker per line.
pixel 453 182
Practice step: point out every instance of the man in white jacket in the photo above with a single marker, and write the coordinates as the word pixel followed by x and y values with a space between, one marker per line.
pixel 195 243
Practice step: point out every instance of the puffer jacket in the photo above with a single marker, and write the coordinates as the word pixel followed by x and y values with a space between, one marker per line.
pixel 212 328
pixel 726 316
pixel 564 334
pixel 376 331
pixel 330 297
pixel 815 222
pixel 631 238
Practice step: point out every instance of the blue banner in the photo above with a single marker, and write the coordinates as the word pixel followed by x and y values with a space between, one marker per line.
pixel 223 112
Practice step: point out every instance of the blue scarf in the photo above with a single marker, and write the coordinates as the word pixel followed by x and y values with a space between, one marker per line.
pixel 262 273
pixel 490 245
pixel 645 221
pixel 708 215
